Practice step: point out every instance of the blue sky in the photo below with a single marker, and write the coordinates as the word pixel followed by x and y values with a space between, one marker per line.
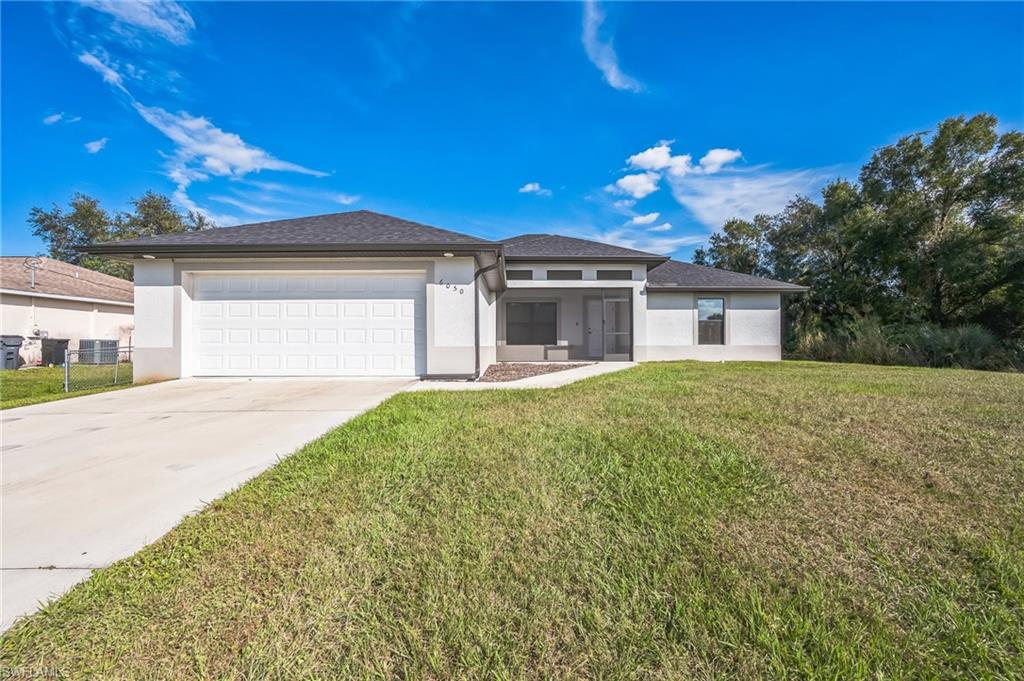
pixel 645 125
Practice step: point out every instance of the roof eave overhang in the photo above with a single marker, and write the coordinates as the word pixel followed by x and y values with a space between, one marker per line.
pixel 31 293
pixel 134 252
pixel 651 260
pixel 748 289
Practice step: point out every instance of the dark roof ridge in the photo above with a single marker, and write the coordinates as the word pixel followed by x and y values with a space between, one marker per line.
pixel 676 275
pixel 563 247
pixel 348 230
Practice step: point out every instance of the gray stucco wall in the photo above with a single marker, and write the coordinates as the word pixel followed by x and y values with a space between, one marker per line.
pixel 163 307
pixel 753 323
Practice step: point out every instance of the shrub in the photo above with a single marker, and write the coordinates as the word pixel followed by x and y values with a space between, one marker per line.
pixel 969 347
pixel 866 340
pixel 870 344
pixel 816 344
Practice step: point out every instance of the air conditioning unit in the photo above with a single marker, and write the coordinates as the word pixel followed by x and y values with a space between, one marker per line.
pixel 96 351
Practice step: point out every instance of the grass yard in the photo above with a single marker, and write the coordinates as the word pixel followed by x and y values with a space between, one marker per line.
pixel 673 520
pixel 44 384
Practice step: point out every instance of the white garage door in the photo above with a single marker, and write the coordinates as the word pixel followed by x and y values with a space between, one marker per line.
pixel 355 324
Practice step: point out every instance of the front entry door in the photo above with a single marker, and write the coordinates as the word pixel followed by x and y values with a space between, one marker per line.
pixel 609 321
pixel 618 326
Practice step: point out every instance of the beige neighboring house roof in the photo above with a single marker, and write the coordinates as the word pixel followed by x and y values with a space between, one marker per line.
pixel 62 280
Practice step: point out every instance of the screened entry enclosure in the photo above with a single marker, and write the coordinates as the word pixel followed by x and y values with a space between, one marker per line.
pixel 566 325
pixel 609 326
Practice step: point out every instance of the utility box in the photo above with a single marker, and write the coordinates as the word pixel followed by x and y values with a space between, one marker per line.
pixel 95 351
pixel 9 347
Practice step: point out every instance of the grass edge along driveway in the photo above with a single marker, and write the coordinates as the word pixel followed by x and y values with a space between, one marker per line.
pixel 676 519
pixel 24 387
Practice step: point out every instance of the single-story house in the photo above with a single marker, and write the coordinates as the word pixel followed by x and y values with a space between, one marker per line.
pixel 46 298
pixel 365 294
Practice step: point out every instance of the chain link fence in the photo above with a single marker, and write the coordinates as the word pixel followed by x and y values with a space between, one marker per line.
pixel 97 366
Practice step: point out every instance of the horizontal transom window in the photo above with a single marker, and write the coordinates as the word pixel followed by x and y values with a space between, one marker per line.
pixel 565 275
pixel 616 275
pixel 519 275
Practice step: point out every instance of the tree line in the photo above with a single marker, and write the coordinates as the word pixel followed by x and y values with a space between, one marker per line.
pixel 920 260
pixel 85 222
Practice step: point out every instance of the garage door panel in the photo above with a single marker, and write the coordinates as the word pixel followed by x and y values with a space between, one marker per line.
pixel 344 325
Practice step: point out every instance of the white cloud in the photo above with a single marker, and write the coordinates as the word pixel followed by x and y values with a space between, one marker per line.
pixel 601 52
pixel 663 227
pixel 203 149
pixel 623 204
pixel 659 157
pixel 645 219
pixel 60 117
pixel 638 186
pixel 534 188
pixel 96 146
pixel 713 199
pixel 165 18
pixel 714 160
pixel 217 152
pixel 100 64
pixel 346 199
pixel 644 241
pixel 250 208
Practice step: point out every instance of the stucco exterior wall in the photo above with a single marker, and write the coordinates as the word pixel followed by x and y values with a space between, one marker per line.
pixel 451 317
pixel 29 316
pixel 163 297
pixel 458 311
pixel 488 321
pixel 752 327
pixel 158 349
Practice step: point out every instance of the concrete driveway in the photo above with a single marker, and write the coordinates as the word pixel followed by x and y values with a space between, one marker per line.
pixel 90 480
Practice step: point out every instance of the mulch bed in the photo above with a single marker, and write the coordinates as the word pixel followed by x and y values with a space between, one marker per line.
pixel 513 371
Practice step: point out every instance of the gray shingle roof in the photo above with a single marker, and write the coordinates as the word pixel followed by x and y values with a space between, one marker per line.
pixel 57 278
pixel 555 247
pixel 355 228
pixel 370 233
pixel 685 276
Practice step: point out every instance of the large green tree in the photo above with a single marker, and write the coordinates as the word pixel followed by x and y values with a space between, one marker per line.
pixel 741 246
pixel 932 231
pixel 65 232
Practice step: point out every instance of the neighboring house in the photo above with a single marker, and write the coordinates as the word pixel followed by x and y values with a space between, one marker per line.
pixel 61 300
pixel 364 294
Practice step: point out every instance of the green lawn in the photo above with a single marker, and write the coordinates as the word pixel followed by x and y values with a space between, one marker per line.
pixel 45 384
pixel 673 520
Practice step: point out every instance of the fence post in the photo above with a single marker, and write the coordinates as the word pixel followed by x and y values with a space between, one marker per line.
pixel 67 369
pixel 117 361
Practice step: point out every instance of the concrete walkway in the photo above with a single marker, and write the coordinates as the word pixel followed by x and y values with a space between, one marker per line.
pixel 90 480
pixel 552 380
